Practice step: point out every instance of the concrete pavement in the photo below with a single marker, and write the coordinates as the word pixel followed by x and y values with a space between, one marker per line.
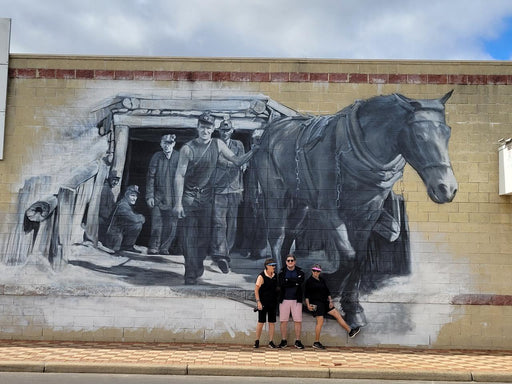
pixel 243 360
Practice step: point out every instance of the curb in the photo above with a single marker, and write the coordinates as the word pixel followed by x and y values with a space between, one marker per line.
pixel 400 374
pixel 73 367
pixel 233 370
pixel 22 366
pixel 492 376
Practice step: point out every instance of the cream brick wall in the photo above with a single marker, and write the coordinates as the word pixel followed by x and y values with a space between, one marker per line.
pixel 465 246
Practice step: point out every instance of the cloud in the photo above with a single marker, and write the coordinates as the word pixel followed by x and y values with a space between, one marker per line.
pixel 355 29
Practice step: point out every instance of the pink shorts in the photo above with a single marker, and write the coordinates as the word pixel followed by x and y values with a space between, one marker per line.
pixel 292 306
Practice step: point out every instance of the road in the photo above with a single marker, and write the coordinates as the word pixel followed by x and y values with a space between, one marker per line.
pixel 90 378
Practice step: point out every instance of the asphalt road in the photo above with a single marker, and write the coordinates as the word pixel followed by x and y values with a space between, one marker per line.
pixel 91 378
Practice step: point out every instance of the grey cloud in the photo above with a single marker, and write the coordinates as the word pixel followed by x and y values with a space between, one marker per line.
pixel 363 29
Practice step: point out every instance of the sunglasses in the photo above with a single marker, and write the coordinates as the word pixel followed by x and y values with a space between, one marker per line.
pixel 290 260
pixel 316 270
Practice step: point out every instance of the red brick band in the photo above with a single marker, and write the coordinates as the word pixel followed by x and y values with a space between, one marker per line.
pixel 255 77
pixel 482 299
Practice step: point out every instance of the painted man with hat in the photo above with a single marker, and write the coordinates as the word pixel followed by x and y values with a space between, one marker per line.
pixel 107 204
pixel 160 195
pixel 228 190
pixel 194 184
pixel 125 224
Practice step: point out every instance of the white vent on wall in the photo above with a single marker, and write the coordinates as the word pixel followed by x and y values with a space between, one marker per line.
pixel 505 160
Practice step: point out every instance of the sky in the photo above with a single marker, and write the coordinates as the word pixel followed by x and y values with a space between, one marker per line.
pixel 323 29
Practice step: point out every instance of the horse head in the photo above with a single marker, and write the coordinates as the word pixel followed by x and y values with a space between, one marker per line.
pixel 423 142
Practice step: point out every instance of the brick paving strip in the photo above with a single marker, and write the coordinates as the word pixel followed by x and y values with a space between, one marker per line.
pixel 229 359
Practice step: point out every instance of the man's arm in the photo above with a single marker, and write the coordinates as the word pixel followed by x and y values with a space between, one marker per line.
pixel 241 150
pixel 259 282
pixel 127 214
pixel 238 161
pixel 307 295
pixel 179 180
pixel 150 182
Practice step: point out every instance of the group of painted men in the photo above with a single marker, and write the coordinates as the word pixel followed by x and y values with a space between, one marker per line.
pixel 201 186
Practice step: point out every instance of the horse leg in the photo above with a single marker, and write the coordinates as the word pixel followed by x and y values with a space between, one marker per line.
pixel 342 242
pixel 348 275
pixel 294 228
pixel 350 285
pixel 276 219
pixel 275 207
pixel 354 312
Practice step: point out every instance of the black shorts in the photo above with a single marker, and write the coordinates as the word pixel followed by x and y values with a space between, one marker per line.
pixel 322 308
pixel 269 310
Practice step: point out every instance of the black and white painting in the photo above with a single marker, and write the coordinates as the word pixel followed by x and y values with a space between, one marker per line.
pixel 193 194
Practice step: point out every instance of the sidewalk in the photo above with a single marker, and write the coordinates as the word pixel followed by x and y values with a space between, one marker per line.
pixel 243 360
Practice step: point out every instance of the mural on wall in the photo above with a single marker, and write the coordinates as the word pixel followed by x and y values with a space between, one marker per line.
pixel 196 193
pixel 339 173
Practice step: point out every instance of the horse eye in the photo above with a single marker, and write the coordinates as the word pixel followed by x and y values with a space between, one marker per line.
pixel 421 136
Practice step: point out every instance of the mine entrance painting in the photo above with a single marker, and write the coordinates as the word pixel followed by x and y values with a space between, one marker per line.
pixel 142 146
pixel 194 194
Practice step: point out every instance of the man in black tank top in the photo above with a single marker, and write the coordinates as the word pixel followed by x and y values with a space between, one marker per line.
pixel 193 186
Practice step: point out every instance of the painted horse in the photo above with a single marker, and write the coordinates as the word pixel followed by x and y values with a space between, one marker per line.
pixel 332 176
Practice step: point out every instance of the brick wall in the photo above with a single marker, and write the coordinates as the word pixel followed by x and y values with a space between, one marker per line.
pixel 457 295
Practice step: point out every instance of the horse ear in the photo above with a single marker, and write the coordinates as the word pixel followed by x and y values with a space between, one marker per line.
pixel 409 104
pixel 445 98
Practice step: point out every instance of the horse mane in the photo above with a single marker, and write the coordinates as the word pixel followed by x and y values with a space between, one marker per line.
pixel 379 102
pixel 406 103
pixel 383 111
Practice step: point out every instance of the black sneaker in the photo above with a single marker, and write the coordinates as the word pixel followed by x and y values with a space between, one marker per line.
pixel 272 345
pixel 318 345
pixel 283 344
pixel 223 265
pixel 353 332
pixel 298 344
pixel 256 344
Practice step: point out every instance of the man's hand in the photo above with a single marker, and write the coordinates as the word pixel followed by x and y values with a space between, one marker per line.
pixel 151 202
pixel 178 211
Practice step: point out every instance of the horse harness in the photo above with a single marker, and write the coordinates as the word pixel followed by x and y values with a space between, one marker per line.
pixel 351 154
